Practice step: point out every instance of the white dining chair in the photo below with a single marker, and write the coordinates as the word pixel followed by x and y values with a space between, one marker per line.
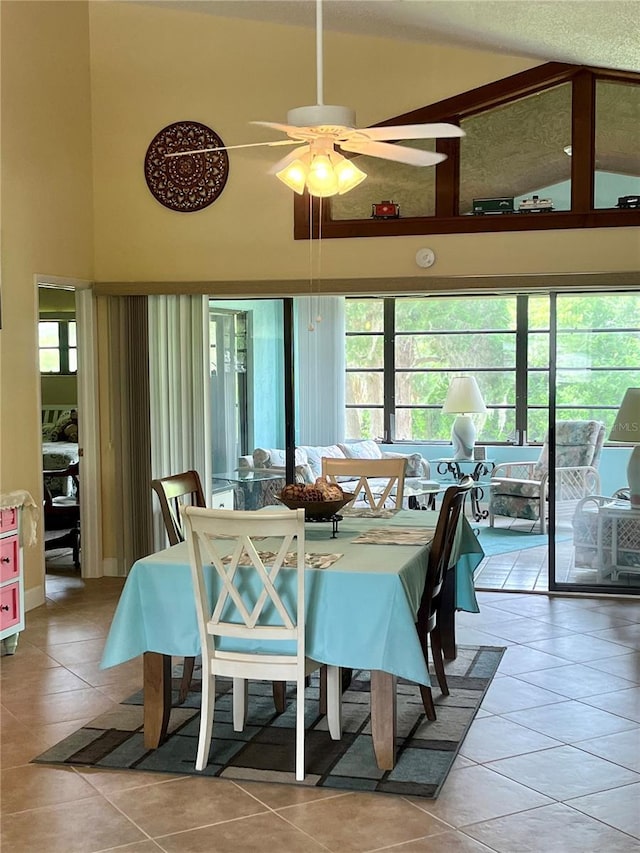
pixel 249 582
pixel 376 481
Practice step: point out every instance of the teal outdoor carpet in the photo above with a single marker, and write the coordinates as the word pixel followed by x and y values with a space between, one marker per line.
pixel 265 750
pixel 500 540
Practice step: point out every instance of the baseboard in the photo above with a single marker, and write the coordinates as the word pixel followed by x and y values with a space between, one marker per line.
pixel 110 568
pixel 33 597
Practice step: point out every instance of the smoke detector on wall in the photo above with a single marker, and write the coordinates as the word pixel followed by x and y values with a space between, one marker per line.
pixel 425 258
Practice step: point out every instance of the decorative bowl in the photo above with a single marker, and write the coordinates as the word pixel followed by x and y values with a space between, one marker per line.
pixel 316 510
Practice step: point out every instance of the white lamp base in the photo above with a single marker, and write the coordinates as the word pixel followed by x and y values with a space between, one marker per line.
pixel 633 476
pixel 463 437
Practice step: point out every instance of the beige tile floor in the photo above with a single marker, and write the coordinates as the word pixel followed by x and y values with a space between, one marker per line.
pixel 528 570
pixel 551 763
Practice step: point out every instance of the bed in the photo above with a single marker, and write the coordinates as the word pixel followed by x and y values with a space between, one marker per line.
pixel 57 454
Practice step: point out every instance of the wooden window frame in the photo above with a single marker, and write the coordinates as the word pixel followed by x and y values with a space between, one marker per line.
pixel 307 218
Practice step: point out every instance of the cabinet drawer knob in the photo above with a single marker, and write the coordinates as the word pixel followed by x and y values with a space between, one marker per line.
pixel 4 607
pixel 5 560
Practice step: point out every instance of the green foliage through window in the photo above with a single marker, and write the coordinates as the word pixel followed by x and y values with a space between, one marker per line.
pixel 505 342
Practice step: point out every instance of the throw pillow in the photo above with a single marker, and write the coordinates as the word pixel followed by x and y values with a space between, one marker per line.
pixel 414 463
pixel 361 450
pixel 315 454
pixel 261 458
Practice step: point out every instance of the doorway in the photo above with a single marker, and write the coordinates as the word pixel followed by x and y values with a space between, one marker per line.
pixel 69 420
pixel 58 360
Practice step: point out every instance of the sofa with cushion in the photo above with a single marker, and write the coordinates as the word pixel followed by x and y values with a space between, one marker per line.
pixel 308 460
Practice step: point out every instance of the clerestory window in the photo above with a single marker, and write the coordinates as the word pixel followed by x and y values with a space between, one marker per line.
pixel 551 147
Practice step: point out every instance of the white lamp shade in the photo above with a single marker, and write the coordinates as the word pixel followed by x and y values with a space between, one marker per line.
pixel 464 397
pixel 626 427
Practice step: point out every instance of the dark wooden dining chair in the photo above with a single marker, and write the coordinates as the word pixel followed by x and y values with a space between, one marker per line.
pixel 61 513
pixel 439 563
pixel 172 492
pixel 183 490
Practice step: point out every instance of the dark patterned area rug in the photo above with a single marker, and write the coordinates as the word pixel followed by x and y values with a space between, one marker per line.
pixel 265 750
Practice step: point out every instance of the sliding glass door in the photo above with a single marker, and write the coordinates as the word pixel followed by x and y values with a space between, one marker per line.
pixel 247 375
pixel 595 341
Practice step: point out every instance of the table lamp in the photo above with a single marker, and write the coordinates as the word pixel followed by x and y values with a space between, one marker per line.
pixel 626 429
pixel 463 398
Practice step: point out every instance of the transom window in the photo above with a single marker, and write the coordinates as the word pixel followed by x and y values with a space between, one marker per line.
pixel 551 147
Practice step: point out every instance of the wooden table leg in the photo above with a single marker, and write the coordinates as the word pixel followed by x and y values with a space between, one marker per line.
pixel 383 718
pixel 279 689
pixel 157 698
pixel 447 615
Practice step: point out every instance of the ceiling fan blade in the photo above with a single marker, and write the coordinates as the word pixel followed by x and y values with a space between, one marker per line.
pixel 399 153
pixel 291 156
pixel 232 147
pixel 413 131
pixel 274 125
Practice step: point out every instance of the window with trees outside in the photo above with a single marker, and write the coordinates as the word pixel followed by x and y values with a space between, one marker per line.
pixel 57 346
pixel 402 352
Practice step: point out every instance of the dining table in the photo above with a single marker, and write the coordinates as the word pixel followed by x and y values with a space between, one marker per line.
pixel 361 606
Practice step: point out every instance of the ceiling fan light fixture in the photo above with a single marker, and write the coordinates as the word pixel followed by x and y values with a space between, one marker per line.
pixel 322 180
pixel 294 176
pixel 348 175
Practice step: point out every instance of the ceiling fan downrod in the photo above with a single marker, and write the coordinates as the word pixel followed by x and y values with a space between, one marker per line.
pixel 320 114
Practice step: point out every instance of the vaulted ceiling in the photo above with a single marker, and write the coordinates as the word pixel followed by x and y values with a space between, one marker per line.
pixel 503 145
pixel 603 33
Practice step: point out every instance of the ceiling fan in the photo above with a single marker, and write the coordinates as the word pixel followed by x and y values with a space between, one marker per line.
pixel 316 165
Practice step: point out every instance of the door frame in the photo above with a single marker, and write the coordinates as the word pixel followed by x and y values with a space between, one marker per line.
pixel 88 417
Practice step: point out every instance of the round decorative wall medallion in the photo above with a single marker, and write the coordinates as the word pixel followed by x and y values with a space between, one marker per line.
pixel 191 182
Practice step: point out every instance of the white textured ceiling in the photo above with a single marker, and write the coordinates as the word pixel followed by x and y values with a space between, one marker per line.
pixel 603 33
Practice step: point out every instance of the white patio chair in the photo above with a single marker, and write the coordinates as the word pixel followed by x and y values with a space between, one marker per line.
pixel 235 641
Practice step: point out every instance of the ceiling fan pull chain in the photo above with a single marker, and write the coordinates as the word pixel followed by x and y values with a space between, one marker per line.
pixel 319 274
pixel 311 327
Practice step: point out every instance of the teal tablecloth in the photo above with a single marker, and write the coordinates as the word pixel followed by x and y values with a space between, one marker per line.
pixel 360 611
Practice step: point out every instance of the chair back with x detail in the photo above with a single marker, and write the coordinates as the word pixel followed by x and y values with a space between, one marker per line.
pixel 440 556
pixel 255 628
pixel 378 480
pixel 174 492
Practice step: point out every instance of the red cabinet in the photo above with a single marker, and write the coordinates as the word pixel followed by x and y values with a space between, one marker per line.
pixel 11 581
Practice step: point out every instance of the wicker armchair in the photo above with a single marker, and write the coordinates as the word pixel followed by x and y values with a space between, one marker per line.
pixel 520 489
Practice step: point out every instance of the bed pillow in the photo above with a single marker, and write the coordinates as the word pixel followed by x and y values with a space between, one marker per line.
pixel 66 428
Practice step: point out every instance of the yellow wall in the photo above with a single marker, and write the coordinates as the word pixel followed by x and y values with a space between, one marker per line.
pixel 46 210
pixel 152 67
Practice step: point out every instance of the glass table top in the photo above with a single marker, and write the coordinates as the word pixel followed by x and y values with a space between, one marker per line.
pixel 251 475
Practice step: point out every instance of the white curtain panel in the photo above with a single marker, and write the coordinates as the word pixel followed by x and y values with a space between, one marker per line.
pixel 319 369
pixel 179 391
